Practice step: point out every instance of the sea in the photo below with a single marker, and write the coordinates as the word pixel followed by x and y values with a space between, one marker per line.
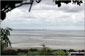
pixel 54 39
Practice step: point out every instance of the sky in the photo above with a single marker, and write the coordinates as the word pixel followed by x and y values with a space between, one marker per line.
pixel 46 15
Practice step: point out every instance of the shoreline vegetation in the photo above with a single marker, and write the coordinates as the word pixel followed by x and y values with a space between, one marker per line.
pixel 40 51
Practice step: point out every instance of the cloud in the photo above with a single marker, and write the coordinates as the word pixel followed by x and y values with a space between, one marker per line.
pixel 46 15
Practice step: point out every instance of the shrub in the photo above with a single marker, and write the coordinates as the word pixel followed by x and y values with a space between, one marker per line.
pixel 60 52
pixel 9 52
pixel 34 53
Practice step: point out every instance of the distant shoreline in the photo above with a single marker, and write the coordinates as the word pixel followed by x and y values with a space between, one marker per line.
pixel 53 29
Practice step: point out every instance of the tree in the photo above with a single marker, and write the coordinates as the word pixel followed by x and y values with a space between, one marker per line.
pixel 4 40
pixel 7 6
pixel 58 2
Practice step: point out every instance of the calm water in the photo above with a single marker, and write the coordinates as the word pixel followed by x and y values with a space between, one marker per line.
pixel 55 39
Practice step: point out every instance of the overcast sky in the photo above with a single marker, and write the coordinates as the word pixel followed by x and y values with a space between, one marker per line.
pixel 46 15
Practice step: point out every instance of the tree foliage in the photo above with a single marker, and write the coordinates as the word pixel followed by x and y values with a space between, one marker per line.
pixel 58 2
pixel 4 40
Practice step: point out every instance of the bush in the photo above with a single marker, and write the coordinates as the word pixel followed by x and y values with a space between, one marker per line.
pixel 33 49
pixel 45 51
pixel 34 53
pixel 22 51
pixel 22 54
pixel 60 52
pixel 9 52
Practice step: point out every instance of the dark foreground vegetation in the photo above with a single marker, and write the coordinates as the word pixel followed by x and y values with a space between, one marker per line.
pixel 43 51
